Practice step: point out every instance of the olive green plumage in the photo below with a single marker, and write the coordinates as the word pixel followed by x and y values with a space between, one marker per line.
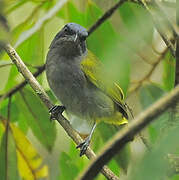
pixel 93 68
pixel 76 77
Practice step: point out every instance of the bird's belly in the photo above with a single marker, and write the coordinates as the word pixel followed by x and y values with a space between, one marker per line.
pixel 78 96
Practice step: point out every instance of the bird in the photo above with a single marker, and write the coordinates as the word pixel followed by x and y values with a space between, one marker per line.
pixel 75 76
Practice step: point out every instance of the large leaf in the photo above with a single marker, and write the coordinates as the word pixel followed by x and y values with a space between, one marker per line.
pixel 104 36
pixel 31 50
pixel 72 161
pixel 148 95
pixel 136 22
pixel 70 13
pixel 168 72
pixel 66 163
pixel 122 159
pixel 8 159
pixel 4 73
pixel 37 117
pixel 155 165
pixel 30 163
pixel 14 110
pixel 12 79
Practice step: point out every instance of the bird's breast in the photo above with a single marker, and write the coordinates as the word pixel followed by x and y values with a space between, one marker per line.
pixel 68 83
pixel 76 93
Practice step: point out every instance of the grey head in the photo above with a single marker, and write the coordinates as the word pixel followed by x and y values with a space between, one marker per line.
pixel 71 40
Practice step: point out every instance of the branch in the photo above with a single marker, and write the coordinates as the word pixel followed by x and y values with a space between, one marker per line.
pixel 124 136
pixel 149 73
pixel 157 4
pixel 52 12
pixel 45 99
pixel 22 84
pixel 105 16
pixel 158 27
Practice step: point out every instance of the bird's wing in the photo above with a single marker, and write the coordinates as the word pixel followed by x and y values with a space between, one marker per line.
pixel 91 67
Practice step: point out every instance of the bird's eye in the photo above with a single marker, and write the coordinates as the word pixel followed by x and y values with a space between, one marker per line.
pixel 66 29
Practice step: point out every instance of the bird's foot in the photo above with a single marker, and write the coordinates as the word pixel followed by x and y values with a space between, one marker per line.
pixel 83 146
pixel 55 110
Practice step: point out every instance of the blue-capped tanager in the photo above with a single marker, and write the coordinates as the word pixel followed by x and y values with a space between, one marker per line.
pixel 75 76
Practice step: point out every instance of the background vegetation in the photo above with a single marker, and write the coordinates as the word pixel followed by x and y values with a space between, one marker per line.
pixel 135 54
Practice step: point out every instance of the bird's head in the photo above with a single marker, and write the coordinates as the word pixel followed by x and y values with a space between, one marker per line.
pixel 71 39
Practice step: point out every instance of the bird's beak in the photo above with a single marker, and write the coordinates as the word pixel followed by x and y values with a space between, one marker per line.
pixel 76 37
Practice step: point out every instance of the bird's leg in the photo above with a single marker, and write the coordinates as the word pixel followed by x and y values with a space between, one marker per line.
pixel 84 145
pixel 55 110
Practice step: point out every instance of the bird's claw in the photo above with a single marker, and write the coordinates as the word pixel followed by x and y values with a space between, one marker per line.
pixel 55 110
pixel 83 146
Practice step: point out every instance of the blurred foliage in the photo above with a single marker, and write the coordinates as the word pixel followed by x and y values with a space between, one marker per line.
pixel 134 56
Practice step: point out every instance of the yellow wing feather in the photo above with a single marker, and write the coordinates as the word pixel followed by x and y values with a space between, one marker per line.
pixel 91 66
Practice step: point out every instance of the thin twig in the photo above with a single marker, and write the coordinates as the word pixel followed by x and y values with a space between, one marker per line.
pixel 145 141
pixel 149 73
pixel 123 137
pixel 5 63
pixel 10 63
pixel 21 85
pixel 105 16
pixel 162 13
pixel 145 59
pixel 45 99
pixel 158 27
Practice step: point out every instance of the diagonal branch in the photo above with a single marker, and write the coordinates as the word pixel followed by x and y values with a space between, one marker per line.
pixel 45 99
pixel 149 73
pixel 157 4
pixel 158 28
pixel 124 136
pixel 105 16
pixel 22 84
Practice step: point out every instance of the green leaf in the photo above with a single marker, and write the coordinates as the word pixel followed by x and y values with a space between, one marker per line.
pixel 175 177
pixel 14 110
pixel 32 50
pixel 1 129
pixel 154 165
pixel 122 159
pixel 80 162
pixel 168 72
pixel 71 14
pixel 66 164
pixel 12 80
pixel 148 95
pixel 22 123
pixel 14 5
pixel 104 36
pixel 8 159
pixel 136 21
pixel 37 117
pixel 4 75
pixel 51 96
